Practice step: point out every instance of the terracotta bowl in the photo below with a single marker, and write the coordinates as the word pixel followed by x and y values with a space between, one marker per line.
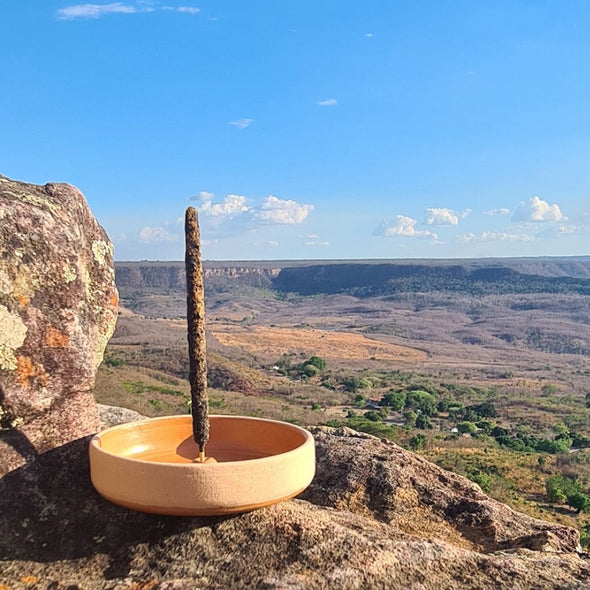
pixel 150 465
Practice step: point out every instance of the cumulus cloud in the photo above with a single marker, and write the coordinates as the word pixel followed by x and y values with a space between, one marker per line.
pixel 329 102
pixel 242 123
pixel 536 210
pixel 402 226
pixel 442 216
pixel 234 213
pixel 490 236
pixel 284 212
pixel 77 11
pixel 202 196
pixel 316 243
pixel 230 206
pixel 498 211
pixel 156 234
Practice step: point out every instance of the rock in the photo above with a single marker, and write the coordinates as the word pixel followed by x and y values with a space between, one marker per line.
pixel 114 415
pixel 58 307
pixel 60 533
pixel 376 477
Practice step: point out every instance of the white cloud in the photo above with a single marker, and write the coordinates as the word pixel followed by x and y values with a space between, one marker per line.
pixel 490 236
pixel 369 35
pixel 235 214
pixel 499 211
pixel 329 102
pixel 94 10
pixel 97 10
pixel 188 10
pixel 316 243
pixel 156 234
pixel 537 210
pixel 273 243
pixel 442 216
pixel 402 226
pixel 230 206
pixel 202 196
pixel 283 212
pixel 242 123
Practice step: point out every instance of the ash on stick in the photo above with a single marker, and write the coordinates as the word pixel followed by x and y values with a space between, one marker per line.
pixel 196 331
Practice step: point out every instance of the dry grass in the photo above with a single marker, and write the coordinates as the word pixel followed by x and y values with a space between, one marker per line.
pixel 343 346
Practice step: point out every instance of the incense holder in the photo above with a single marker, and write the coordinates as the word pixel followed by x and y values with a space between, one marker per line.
pixel 151 465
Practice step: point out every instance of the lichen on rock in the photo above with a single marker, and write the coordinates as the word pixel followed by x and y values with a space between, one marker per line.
pixel 58 308
pixel 12 336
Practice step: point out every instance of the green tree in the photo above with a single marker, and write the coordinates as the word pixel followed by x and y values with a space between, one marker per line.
pixel 310 370
pixel 421 400
pixel 360 400
pixel 418 442
pixel 423 422
pixel 485 425
pixel 483 480
pixel 559 488
pixel 579 501
pixel 316 361
pixel 467 427
pixel 410 418
pixel 396 400
pixel 373 416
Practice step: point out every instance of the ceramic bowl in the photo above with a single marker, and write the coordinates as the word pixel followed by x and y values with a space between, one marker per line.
pixel 150 465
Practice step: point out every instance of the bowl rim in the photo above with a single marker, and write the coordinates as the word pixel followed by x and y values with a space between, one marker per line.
pixel 95 442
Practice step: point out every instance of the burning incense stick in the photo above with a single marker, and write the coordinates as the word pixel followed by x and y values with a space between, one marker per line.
pixel 195 301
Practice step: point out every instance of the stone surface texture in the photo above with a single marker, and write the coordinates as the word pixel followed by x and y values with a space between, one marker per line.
pixel 376 516
pixel 58 308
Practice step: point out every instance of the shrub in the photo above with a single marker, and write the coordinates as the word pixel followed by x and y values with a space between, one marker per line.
pixel 421 400
pixel 410 418
pixel 373 416
pixel 310 370
pixel 559 488
pixel 317 362
pixel 360 400
pixel 417 442
pixel 579 501
pixel 423 422
pixel 396 400
pixel 467 427
pixel 483 480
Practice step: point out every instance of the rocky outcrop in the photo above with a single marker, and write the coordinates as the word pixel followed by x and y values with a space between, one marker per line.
pixel 58 307
pixel 171 276
pixel 375 516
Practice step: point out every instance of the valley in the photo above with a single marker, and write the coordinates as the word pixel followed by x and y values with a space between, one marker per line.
pixel 490 358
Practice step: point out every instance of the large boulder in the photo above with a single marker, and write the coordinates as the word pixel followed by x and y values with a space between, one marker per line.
pixel 376 516
pixel 58 308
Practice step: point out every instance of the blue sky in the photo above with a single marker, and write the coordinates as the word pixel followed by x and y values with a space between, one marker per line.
pixel 301 130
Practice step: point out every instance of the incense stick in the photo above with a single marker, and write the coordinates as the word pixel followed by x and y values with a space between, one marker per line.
pixel 195 301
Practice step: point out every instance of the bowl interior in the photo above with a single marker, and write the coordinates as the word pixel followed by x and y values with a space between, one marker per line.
pixel 232 438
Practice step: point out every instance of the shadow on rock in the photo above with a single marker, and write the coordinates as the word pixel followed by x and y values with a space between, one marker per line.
pixel 49 511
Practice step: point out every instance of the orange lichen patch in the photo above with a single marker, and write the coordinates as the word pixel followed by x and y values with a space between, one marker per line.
pixel 29 580
pixel 28 370
pixel 23 300
pixel 4 587
pixel 56 339
pixel 115 300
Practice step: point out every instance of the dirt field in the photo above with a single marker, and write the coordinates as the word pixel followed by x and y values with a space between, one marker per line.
pixel 262 341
